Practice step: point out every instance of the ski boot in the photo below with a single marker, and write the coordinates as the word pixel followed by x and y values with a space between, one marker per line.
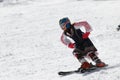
pixel 99 63
pixel 84 67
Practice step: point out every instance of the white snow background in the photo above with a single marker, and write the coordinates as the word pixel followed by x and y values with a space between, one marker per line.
pixel 30 46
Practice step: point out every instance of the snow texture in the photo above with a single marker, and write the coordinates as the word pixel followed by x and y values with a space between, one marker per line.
pixel 30 46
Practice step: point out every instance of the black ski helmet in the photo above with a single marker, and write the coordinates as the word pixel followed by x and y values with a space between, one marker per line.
pixel 65 22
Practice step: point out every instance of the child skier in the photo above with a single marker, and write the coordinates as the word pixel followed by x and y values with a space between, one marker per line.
pixel 82 44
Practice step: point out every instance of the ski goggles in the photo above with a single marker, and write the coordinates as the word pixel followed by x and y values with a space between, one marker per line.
pixel 66 24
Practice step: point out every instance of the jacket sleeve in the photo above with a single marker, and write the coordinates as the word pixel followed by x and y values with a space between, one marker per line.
pixel 65 40
pixel 85 24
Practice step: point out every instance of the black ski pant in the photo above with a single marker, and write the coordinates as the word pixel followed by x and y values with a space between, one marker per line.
pixel 83 48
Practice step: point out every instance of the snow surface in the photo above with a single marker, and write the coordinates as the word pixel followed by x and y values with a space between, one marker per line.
pixel 30 47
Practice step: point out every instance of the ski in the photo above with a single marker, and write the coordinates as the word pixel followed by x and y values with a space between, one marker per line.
pixel 96 70
pixel 81 71
pixel 64 73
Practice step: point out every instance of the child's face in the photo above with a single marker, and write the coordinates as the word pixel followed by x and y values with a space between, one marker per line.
pixel 64 27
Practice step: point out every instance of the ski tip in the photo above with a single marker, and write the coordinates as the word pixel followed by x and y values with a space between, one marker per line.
pixel 59 73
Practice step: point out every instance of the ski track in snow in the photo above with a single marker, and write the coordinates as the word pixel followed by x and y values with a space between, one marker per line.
pixel 30 47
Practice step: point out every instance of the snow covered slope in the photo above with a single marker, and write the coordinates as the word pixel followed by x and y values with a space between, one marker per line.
pixel 30 47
